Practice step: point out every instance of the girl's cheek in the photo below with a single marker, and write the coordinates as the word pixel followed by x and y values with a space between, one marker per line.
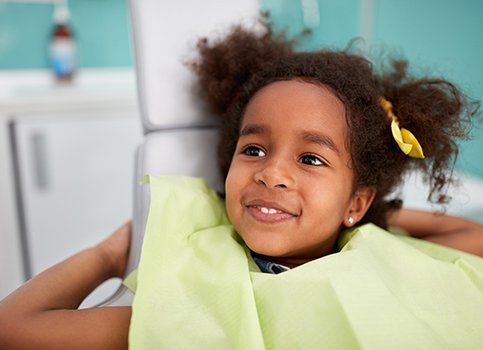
pixel 233 172
pixel 230 185
pixel 228 179
pixel 231 200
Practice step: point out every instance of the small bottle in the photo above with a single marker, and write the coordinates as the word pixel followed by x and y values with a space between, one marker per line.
pixel 62 47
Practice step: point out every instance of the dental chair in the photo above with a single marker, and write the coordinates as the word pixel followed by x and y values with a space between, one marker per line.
pixel 180 134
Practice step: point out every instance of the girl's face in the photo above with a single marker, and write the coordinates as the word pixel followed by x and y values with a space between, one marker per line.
pixel 289 186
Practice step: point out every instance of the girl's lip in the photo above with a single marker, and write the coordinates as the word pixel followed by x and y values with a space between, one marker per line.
pixel 272 205
pixel 257 214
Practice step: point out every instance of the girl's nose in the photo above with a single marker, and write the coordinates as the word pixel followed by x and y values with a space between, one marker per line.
pixel 275 173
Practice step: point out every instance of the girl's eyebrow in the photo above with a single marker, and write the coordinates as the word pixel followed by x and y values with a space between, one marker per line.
pixel 320 139
pixel 253 129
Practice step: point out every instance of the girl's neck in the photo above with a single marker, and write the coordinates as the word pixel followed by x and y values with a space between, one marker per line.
pixel 293 261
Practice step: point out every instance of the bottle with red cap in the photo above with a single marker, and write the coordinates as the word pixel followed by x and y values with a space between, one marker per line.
pixel 62 46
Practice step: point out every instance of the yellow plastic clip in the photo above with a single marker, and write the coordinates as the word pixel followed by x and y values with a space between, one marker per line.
pixel 405 139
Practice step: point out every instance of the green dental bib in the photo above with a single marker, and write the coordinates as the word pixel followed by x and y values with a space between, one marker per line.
pixel 197 287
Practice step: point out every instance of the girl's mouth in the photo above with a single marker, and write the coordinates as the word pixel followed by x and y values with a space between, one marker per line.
pixel 268 215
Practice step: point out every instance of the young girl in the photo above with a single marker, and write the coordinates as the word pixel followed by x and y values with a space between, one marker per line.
pixel 310 145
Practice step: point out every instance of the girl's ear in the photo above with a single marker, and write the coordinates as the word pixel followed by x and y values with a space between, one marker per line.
pixel 358 206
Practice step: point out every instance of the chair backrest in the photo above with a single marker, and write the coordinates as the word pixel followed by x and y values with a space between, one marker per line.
pixel 164 37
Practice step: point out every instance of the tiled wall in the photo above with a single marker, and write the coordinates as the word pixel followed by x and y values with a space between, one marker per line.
pixel 442 36
pixel 100 27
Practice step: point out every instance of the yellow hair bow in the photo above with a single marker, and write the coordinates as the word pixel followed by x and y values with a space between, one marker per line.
pixel 405 139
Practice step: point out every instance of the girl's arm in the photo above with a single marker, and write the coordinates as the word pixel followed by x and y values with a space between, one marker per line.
pixel 42 314
pixel 451 231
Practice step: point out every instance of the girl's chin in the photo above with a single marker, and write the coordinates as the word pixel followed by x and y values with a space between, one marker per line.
pixel 268 248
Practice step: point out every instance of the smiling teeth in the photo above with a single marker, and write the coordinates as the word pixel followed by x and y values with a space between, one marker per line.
pixel 269 210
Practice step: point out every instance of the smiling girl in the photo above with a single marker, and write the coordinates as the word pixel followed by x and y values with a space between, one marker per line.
pixel 290 185
pixel 309 147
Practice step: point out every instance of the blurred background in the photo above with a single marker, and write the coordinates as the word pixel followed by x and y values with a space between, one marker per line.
pixel 70 124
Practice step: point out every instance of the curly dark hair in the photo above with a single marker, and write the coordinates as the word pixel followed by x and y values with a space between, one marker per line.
pixel 231 69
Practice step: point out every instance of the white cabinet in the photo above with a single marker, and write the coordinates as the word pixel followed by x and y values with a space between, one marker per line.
pixel 71 162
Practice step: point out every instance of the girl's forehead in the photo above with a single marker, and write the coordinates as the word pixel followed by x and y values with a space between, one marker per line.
pixel 294 106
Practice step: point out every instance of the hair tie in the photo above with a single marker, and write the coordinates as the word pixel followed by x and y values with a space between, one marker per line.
pixel 405 139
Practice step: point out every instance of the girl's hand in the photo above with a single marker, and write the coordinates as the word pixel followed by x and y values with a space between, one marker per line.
pixel 42 313
pixel 115 249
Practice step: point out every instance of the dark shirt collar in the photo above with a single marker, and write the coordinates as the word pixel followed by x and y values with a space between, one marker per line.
pixel 269 267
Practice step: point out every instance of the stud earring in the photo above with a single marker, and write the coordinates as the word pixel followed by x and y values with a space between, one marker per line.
pixel 350 220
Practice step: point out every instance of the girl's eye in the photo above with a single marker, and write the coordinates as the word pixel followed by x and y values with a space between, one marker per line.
pixel 312 160
pixel 253 151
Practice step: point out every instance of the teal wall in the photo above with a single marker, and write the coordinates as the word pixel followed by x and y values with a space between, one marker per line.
pixel 445 36
pixel 338 21
pixel 100 28
pixel 441 37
